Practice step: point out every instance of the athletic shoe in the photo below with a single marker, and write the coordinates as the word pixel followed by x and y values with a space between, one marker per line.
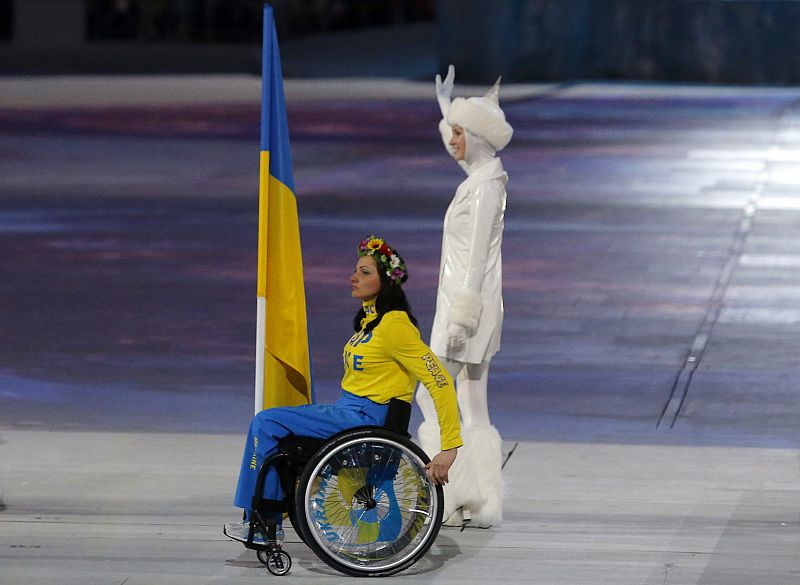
pixel 240 531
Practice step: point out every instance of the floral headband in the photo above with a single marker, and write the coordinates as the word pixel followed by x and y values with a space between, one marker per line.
pixel 385 257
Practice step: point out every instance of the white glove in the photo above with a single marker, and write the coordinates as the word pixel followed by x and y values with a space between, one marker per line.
pixel 444 89
pixel 456 338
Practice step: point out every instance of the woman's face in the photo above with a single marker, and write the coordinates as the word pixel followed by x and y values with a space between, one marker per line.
pixel 365 281
pixel 458 142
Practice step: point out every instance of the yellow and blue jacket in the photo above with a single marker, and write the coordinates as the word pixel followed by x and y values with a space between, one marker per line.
pixel 388 361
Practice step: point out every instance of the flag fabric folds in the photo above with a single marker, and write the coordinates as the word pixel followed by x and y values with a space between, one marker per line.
pixel 283 368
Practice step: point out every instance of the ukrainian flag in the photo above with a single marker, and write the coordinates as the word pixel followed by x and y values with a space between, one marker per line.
pixel 283 369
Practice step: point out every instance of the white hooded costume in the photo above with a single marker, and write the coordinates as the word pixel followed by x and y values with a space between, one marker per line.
pixel 469 304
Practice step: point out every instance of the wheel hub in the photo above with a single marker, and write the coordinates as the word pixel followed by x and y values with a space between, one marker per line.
pixel 365 497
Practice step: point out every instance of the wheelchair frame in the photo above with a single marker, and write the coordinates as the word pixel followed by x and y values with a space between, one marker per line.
pixel 299 462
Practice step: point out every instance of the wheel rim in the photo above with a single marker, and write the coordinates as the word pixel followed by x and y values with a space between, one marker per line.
pixel 279 563
pixel 370 504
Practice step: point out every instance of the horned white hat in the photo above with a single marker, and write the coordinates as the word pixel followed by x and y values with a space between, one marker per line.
pixel 483 117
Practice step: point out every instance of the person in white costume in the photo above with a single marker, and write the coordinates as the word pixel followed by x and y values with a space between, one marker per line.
pixel 469 303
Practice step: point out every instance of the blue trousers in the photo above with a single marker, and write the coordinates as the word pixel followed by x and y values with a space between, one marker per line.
pixel 268 427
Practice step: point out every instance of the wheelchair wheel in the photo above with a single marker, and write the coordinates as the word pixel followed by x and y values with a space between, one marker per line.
pixel 277 562
pixel 365 504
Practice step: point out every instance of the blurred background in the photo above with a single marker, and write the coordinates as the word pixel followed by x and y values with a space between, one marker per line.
pixel 654 146
pixel 739 41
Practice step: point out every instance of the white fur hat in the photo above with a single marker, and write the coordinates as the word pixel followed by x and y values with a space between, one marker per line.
pixel 483 117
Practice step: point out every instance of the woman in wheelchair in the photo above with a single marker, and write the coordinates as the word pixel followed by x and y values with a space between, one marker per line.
pixel 367 504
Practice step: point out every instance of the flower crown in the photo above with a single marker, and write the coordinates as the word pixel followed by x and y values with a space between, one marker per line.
pixel 385 257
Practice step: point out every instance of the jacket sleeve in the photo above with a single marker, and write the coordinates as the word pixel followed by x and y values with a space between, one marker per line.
pixel 408 350
pixel 486 202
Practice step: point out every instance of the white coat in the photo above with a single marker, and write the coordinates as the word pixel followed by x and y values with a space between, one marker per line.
pixel 471 272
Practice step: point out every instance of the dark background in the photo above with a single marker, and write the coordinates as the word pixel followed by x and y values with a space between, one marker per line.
pixel 720 41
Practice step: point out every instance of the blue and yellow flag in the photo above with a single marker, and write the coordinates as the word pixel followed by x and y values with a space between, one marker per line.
pixel 283 369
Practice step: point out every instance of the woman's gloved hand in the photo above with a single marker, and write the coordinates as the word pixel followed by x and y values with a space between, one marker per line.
pixel 456 338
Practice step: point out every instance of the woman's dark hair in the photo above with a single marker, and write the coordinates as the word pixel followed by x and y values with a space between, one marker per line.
pixel 390 298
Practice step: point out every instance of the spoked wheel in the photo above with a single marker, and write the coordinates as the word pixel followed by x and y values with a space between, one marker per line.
pixel 278 562
pixel 366 505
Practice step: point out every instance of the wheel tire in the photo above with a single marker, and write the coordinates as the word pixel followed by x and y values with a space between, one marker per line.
pixel 297 524
pixel 279 562
pixel 367 453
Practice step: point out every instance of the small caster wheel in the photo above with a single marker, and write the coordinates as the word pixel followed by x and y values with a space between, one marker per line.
pixel 279 563
pixel 262 556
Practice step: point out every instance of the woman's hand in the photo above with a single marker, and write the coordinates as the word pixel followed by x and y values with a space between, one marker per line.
pixel 440 465
pixel 456 338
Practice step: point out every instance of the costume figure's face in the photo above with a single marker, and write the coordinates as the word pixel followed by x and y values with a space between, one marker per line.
pixel 365 281
pixel 459 143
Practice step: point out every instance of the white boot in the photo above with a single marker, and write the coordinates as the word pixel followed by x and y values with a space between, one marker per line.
pixel 476 481
pixel 475 490
pixel 430 438
pixel 430 441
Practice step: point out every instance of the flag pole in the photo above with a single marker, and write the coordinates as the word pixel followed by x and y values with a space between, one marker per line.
pixel 261 330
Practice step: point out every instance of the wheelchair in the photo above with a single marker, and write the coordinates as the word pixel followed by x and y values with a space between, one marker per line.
pixel 361 500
